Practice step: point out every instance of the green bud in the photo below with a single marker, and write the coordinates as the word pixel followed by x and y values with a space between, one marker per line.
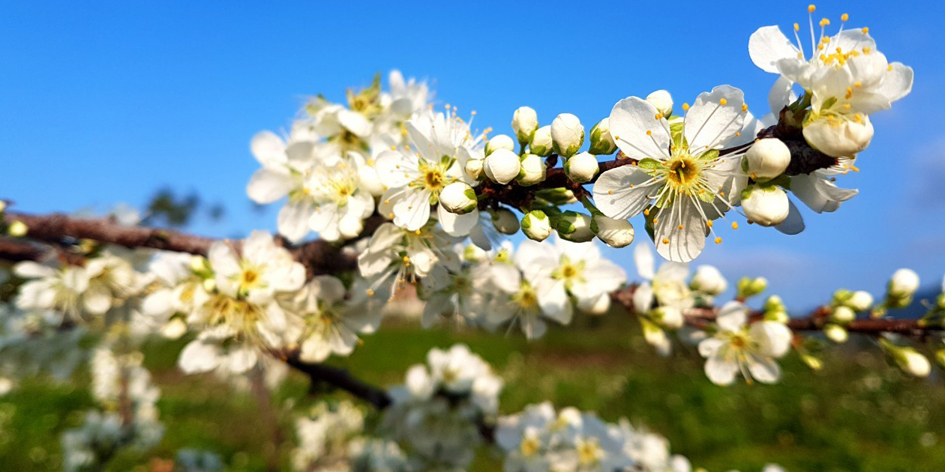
pixel 536 225
pixel 836 333
pixel 557 196
pixel 575 227
pixel 747 288
pixel 601 140
pixel 17 229
pixel 812 362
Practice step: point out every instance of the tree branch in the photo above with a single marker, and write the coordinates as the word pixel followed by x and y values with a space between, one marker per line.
pixel 815 321
pixel 318 257
pixel 339 378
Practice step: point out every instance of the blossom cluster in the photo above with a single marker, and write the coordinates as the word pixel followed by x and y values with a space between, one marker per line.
pixel 438 408
pixel 128 417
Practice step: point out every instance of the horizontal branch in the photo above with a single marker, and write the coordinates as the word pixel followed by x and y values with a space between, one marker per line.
pixel 814 321
pixel 319 257
pixel 339 378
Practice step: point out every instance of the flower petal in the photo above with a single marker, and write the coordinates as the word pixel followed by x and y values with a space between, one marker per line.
pixel 767 46
pixel 709 123
pixel 630 120
pixel 624 192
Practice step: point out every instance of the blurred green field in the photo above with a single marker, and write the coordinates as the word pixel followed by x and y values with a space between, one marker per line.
pixel 856 414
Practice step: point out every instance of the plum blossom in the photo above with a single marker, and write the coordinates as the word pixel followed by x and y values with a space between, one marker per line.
pixel 680 180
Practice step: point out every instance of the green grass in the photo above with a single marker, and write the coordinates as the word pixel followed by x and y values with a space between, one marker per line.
pixel 857 414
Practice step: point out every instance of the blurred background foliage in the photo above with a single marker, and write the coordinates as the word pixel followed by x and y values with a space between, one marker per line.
pixel 857 414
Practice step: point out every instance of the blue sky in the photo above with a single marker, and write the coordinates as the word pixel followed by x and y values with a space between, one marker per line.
pixel 105 102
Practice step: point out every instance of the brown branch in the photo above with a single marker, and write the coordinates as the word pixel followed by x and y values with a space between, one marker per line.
pixel 338 378
pixel 319 257
pixel 700 317
pixel 17 251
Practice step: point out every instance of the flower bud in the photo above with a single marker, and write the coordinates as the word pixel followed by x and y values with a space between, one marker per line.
pixel 601 140
pixel 669 317
pixel 17 229
pixel 766 206
pixel 459 198
pixel 839 135
pixel 836 333
pixel 767 159
pixel 505 221
pixel 502 166
pixel 860 301
pixel 532 170
pixel 567 134
pixel 557 196
pixel 774 303
pixel 662 101
pixel 500 141
pixel 474 168
pixel 536 225
pixel 581 168
pixel 914 363
pixel 812 362
pixel 940 357
pixel 541 143
pixel 614 233
pixel 708 280
pixel 525 123
pixel 747 288
pixel 174 329
pixel 595 306
pixel 3 206
pixel 842 314
pixel 903 284
pixel 575 227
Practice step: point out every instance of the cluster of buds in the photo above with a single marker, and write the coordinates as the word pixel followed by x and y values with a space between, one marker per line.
pixel 543 215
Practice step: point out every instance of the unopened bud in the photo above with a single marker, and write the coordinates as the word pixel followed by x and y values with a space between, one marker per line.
pixel 474 168
pixel 502 166
pixel 747 288
pixel 812 362
pixel 708 280
pixel 3 206
pixel 536 225
pixel 505 221
pixel 836 333
pixel 541 143
pixel 174 329
pixel 767 159
pixel 601 140
pixel 575 227
pixel 903 284
pixel 839 135
pixel 595 306
pixel 914 363
pixel 842 314
pixel 532 170
pixel 567 134
pixel 774 303
pixel 18 229
pixel 662 101
pixel 500 141
pixel 557 196
pixel 525 123
pixel 860 300
pixel 669 317
pixel 581 168
pixel 765 205
pixel 614 233
pixel 940 357
pixel 459 198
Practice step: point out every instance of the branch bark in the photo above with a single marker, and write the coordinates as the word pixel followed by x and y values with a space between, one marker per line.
pixel 318 257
